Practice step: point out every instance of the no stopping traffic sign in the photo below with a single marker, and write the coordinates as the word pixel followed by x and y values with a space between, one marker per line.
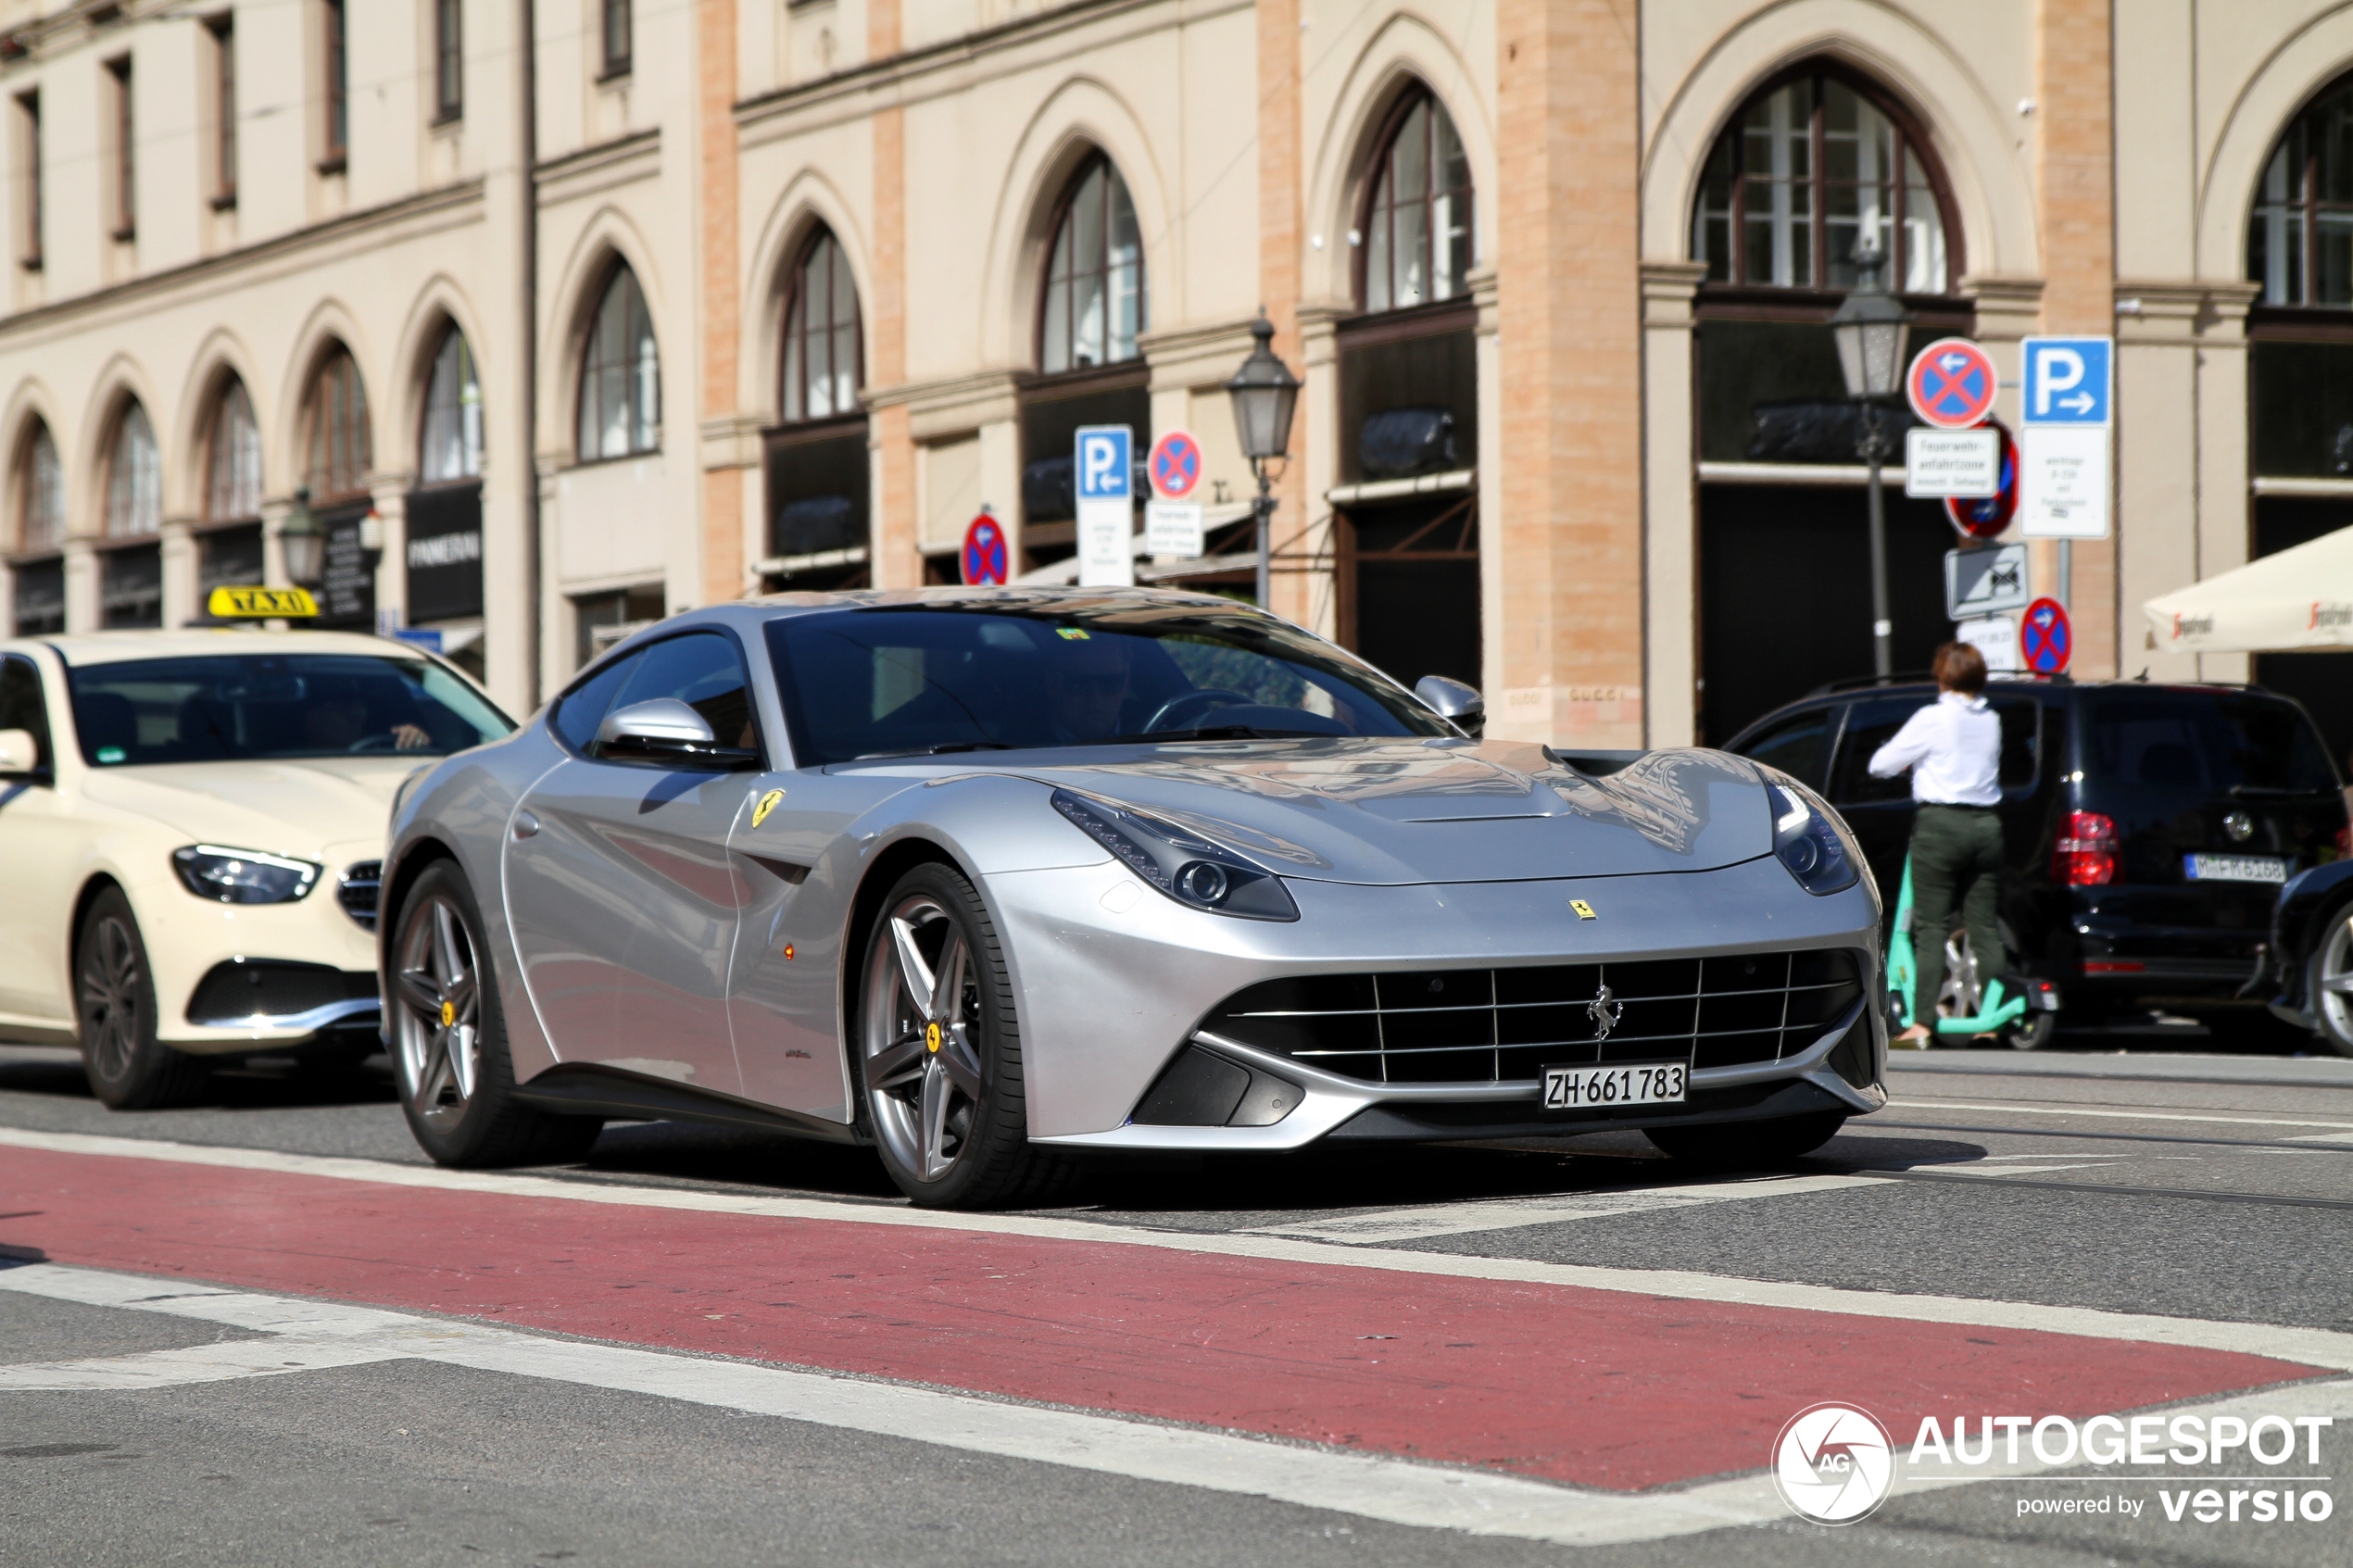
pixel 2046 638
pixel 1951 383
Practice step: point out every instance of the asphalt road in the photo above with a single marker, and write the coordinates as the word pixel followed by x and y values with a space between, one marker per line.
pixel 1961 1251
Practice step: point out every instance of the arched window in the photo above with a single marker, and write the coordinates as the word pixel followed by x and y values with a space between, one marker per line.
pixel 341 449
pixel 233 480
pixel 1418 220
pixel 619 377
pixel 2299 244
pixel 135 477
pixel 41 497
pixel 823 372
pixel 1806 168
pixel 1095 302
pixel 453 414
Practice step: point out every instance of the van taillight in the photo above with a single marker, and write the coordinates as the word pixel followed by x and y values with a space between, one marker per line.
pixel 2084 854
pixel 2345 843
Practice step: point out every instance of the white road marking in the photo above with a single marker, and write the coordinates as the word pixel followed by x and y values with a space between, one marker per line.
pixel 1456 1219
pixel 2324 1138
pixel 1999 1107
pixel 2310 1346
pixel 1395 1491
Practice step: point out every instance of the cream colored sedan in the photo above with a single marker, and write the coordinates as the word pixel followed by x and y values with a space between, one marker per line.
pixel 192 824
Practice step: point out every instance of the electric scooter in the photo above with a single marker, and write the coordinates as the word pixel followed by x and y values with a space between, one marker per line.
pixel 1997 1013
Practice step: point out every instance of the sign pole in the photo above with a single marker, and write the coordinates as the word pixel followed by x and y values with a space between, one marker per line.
pixel 1882 628
pixel 1265 513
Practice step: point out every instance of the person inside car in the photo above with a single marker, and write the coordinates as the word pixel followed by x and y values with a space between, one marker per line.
pixel 1954 749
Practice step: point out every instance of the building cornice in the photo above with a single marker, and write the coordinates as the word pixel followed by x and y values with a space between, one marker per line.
pixel 599 168
pixel 440 201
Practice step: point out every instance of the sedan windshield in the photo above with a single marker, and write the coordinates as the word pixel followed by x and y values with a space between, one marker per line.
pixel 912 681
pixel 225 707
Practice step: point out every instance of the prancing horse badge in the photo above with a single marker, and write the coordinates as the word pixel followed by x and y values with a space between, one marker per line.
pixel 767 804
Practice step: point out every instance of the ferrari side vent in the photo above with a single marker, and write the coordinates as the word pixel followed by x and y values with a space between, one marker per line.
pixel 1505 1025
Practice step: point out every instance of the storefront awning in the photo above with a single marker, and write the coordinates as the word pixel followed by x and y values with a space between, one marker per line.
pixel 2298 598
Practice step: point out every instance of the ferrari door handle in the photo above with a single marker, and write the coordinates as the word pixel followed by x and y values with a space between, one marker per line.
pixel 525 825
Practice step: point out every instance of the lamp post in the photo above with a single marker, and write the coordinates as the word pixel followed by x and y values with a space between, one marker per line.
pixel 1870 329
pixel 1264 394
pixel 303 542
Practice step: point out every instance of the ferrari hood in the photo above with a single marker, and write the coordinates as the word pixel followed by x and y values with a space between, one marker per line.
pixel 1415 811
pixel 303 807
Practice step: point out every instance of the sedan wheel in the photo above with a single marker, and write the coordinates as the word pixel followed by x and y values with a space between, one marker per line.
pixel 128 1069
pixel 2330 982
pixel 940 1062
pixel 449 1039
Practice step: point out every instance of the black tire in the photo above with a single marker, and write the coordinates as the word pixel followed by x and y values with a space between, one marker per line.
pixel 452 1071
pixel 979 1156
pixel 2331 962
pixel 2032 1031
pixel 1747 1146
pixel 114 1004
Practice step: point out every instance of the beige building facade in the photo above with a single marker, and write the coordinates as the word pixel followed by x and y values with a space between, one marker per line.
pixel 777 296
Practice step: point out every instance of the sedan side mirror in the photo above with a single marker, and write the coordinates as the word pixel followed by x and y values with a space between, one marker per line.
pixel 665 730
pixel 1452 699
pixel 20 754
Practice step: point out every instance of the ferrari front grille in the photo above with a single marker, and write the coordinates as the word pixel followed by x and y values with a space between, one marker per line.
pixel 1505 1025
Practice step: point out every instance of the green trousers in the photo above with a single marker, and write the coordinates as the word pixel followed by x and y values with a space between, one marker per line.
pixel 1956 857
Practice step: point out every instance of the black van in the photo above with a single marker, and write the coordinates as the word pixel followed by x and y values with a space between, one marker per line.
pixel 2148 828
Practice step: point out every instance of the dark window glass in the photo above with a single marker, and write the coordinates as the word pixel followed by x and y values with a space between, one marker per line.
pixel 449 59
pixel 341 450
pixel 20 705
pixel 617 39
pixel 126 148
pixel 31 173
pixel 242 707
pixel 131 587
pixel 704 670
pixel 224 111
pixel 2021 742
pixel 2300 238
pixel 1870 725
pixel 2203 744
pixel 822 363
pixel 1795 748
pixel 1095 275
pixel 336 72
pixel 1804 171
pixel 900 682
pixel 581 709
pixel 621 375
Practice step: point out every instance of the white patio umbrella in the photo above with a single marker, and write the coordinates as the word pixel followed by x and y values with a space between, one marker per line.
pixel 2299 598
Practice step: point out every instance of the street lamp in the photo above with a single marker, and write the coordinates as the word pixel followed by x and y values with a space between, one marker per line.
pixel 1870 329
pixel 304 541
pixel 1264 393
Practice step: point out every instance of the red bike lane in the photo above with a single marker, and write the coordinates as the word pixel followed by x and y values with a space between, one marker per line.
pixel 1597 1387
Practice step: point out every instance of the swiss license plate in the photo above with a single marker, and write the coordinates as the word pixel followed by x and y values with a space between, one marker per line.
pixel 2235 867
pixel 1618 1082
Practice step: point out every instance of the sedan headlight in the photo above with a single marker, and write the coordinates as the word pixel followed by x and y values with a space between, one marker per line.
pixel 1187 867
pixel 1811 842
pixel 243 876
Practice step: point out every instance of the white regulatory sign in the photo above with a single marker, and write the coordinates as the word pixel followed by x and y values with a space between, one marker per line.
pixel 1963 464
pixel 1173 528
pixel 1995 637
pixel 2062 481
pixel 1984 582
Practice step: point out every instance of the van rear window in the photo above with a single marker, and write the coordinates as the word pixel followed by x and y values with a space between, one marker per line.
pixel 2205 743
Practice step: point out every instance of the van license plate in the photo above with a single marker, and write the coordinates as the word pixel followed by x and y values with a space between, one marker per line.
pixel 1619 1083
pixel 2235 867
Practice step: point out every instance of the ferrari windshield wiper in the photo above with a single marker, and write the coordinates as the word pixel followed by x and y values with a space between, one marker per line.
pixel 942 749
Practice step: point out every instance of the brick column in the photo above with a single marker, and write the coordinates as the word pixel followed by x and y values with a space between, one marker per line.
pixel 2074 155
pixel 1571 637
pixel 1670 510
pixel 897 562
pixel 723 573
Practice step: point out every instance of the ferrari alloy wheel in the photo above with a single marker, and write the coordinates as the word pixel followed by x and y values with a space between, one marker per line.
pixel 450 1040
pixel 128 1069
pixel 2331 981
pixel 439 1010
pixel 940 1058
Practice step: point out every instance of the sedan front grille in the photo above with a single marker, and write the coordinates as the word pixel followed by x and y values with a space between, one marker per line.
pixel 358 891
pixel 1505 1025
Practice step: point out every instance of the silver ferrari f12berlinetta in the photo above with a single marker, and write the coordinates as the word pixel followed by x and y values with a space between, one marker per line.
pixel 985 878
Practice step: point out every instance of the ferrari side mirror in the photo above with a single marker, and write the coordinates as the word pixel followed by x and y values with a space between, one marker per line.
pixel 664 730
pixel 1452 699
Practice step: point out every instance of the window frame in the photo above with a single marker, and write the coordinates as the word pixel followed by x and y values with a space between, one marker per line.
pixel 1087 167
pixel 28 449
pixel 33 211
pixel 123 137
pixel 590 365
pixel 124 494
pixel 1911 136
pixel 334 87
pixel 358 435
pixel 796 334
pixel 232 387
pixel 467 370
pixel 222 30
pixel 617 39
pixel 2306 207
pixel 448 61
pixel 1393 126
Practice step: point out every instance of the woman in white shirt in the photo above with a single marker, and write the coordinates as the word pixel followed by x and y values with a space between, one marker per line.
pixel 1954 749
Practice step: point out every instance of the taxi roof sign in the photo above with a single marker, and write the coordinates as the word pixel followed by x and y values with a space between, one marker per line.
pixel 272 604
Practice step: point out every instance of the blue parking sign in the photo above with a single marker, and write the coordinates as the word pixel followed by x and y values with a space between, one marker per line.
pixel 1106 460
pixel 2067 380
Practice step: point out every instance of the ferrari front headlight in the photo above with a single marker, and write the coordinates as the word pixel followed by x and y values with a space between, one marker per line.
pixel 1192 869
pixel 243 876
pixel 1811 842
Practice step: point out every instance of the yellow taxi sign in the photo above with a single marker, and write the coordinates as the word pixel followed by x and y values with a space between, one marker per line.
pixel 287 604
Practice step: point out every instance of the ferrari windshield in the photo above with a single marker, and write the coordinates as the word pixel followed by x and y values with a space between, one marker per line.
pixel 225 707
pixel 913 680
